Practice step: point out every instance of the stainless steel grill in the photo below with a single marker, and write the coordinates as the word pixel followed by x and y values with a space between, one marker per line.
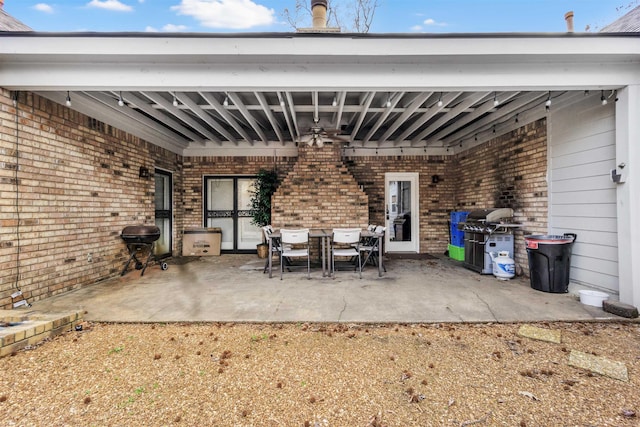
pixel 486 231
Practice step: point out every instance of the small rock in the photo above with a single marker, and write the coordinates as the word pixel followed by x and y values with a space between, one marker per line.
pixel 620 309
pixel 628 413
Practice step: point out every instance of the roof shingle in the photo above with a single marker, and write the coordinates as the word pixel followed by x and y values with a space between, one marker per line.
pixel 629 23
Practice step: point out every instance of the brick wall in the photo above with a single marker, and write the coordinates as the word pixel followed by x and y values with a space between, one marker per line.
pixel 195 168
pixel 508 171
pixel 320 191
pixel 436 199
pixel 77 188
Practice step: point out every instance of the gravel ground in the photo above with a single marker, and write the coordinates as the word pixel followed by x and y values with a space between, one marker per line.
pixel 320 375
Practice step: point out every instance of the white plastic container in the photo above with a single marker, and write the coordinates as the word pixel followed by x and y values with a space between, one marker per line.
pixel 504 267
pixel 594 298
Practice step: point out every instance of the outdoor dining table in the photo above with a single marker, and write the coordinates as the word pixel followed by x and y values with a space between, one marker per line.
pixel 324 236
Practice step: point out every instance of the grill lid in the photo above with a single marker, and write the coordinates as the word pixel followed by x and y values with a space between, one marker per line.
pixel 141 230
pixel 489 215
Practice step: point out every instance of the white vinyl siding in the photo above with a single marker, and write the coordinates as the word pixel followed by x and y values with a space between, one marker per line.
pixel 582 197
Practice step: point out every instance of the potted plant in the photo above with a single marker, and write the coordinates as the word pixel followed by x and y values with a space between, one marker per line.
pixel 265 185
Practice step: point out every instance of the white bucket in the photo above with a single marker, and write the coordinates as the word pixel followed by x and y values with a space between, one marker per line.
pixel 594 298
pixel 503 266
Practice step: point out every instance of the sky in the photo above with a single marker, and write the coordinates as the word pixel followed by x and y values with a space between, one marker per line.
pixel 391 16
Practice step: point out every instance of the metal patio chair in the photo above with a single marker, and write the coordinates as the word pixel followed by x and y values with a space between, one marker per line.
pixel 370 248
pixel 346 243
pixel 276 245
pixel 295 244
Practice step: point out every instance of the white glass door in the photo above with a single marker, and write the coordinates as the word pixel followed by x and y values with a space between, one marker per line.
pixel 401 206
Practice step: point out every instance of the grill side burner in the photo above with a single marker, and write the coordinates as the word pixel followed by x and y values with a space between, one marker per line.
pixel 484 232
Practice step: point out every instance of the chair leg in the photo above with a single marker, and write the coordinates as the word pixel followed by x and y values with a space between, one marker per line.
pixel 308 266
pixel 281 265
pixel 359 265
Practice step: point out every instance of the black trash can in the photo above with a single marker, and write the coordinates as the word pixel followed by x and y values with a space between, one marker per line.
pixel 550 261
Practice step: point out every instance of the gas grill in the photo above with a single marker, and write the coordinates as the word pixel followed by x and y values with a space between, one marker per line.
pixel 486 231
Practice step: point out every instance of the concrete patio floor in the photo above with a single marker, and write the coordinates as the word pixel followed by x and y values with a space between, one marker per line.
pixel 233 288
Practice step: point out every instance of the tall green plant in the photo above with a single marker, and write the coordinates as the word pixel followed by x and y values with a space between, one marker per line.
pixel 265 185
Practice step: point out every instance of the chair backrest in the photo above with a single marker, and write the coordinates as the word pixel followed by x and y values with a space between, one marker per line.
pixel 346 235
pixel 267 230
pixel 371 227
pixel 380 229
pixel 294 236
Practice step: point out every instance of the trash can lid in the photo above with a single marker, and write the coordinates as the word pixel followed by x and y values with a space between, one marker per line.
pixel 550 239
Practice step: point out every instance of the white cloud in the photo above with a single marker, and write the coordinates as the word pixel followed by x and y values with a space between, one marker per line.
pixel 432 22
pixel 234 14
pixel 416 28
pixel 114 5
pixel 172 28
pixel 150 29
pixel 43 7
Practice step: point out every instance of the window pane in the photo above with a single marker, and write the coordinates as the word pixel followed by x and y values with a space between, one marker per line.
pixel 220 197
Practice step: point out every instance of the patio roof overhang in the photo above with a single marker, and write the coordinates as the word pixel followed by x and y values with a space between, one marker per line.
pixel 248 94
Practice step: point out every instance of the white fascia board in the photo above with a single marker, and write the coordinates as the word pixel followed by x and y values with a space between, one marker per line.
pixel 133 47
pixel 103 62
pixel 322 77
pixel 244 150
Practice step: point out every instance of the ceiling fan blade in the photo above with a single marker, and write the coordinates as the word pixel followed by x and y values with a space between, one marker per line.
pixel 340 138
pixel 306 139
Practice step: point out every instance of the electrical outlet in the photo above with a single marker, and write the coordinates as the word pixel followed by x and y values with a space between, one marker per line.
pixel 89 257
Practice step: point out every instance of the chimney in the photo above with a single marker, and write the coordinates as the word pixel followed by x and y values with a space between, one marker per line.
pixel 569 18
pixel 319 11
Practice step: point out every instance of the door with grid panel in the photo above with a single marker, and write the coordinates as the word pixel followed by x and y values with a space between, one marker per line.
pixel 163 201
pixel 227 205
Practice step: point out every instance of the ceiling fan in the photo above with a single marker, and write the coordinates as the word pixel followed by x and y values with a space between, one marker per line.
pixel 319 135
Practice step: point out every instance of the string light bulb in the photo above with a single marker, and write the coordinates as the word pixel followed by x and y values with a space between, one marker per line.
pixel 225 103
pixel 603 100
pixel 496 102
pixel 68 100
pixel 548 103
pixel 440 103
pixel 334 103
pixel 175 101
pixel 120 100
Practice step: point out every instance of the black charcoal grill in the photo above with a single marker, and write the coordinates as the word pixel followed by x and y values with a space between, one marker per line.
pixel 139 238
pixel 486 231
